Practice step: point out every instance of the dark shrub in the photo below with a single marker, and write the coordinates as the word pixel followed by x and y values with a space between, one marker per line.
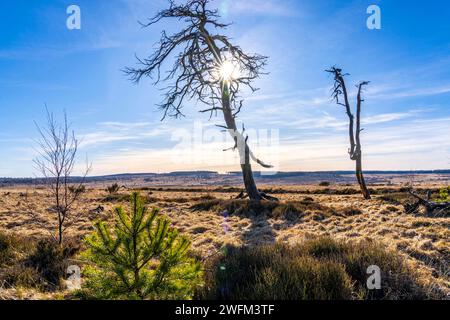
pixel 13 273
pixel 249 207
pixel 344 191
pixel 324 184
pixel 10 248
pixel 50 260
pixel 324 247
pixel 116 198
pixel 206 205
pixel 390 200
pixel 175 200
pixel 321 268
pixel 398 280
pixel 151 199
pixel 307 200
pixel 113 189
pixel 392 209
pixel 205 197
pixel 351 211
pixel 25 263
pixel 19 275
pixel 421 223
pixel 77 190
pixel 275 272
pixel 290 210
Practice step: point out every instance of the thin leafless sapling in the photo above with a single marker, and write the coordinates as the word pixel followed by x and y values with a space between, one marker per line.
pixel 355 151
pixel 207 68
pixel 57 148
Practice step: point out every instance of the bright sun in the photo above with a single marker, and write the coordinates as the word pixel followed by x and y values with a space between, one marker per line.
pixel 229 71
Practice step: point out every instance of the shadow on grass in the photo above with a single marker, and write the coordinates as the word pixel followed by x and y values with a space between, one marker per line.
pixel 259 213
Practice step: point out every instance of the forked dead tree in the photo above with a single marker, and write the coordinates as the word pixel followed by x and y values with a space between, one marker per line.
pixel 58 148
pixel 207 68
pixel 355 151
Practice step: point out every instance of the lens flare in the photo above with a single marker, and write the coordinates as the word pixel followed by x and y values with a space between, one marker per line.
pixel 228 71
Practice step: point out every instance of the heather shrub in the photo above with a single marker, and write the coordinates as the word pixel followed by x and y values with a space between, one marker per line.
pixel 31 264
pixel 320 268
pixel 51 260
pixel 275 272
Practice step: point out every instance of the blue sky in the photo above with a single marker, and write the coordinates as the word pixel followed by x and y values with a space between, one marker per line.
pixel 406 114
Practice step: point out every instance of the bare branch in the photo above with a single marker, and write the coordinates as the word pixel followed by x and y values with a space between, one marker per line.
pixel 199 56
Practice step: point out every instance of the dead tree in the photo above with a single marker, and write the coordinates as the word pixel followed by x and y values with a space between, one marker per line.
pixel 431 208
pixel 207 68
pixel 355 151
pixel 57 148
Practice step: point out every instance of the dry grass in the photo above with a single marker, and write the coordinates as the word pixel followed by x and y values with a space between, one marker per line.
pixel 214 220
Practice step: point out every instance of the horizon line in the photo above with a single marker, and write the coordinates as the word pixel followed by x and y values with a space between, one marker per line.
pixel 257 173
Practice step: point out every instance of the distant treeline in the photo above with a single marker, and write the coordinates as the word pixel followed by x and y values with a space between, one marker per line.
pixel 211 174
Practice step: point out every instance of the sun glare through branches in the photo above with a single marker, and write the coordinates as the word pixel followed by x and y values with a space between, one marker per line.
pixel 228 71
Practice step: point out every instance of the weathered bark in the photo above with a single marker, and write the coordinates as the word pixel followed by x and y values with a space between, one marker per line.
pixel 361 180
pixel 249 182
pixel 358 153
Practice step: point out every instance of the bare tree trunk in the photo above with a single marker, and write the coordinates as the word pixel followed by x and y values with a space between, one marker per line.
pixel 60 233
pixel 361 180
pixel 243 148
pixel 358 152
pixel 249 181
